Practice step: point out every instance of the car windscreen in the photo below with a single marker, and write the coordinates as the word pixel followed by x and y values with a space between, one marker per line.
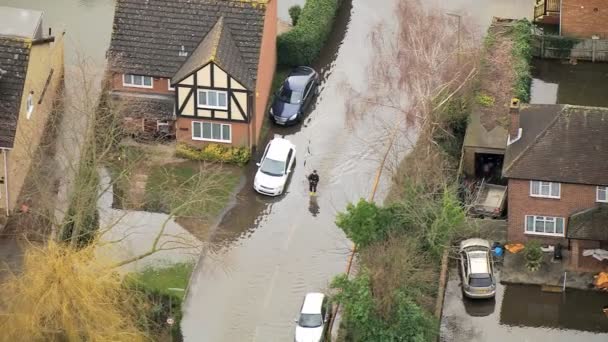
pixel 289 95
pixel 310 320
pixel 273 167
pixel 480 280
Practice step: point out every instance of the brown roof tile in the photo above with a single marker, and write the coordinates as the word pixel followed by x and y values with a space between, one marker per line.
pixel 568 144
pixel 14 58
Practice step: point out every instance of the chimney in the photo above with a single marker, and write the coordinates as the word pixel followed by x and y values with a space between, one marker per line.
pixel 514 129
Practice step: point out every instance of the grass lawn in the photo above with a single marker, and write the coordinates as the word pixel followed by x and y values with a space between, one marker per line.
pixel 162 279
pixel 193 189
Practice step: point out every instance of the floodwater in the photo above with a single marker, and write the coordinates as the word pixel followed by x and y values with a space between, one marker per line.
pixel 557 81
pixel 276 250
pixel 523 313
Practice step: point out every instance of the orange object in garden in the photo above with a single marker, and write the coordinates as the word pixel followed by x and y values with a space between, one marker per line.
pixel 601 280
pixel 514 247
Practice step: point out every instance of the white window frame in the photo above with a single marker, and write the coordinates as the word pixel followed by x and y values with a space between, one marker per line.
pixel 211 139
pixel 540 186
pixel 206 92
pixel 29 105
pixel 131 84
pixel 545 219
pixel 603 189
pixel 169 85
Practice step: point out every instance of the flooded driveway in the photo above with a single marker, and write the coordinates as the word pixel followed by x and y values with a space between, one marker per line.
pixel 557 81
pixel 276 250
pixel 523 313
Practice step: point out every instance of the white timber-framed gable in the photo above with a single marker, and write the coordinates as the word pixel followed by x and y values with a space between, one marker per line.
pixel 211 93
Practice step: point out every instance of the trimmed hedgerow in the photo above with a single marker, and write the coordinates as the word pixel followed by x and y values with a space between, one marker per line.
pixel 215 153
pixel 303 43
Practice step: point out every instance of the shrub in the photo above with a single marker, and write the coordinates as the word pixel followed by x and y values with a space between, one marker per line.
pixel 294 14
pixel 485 100
pixel 407 321
pixel 215 153
pixel 364 222
pixel 522 57
pixel 303 43
pixel 533 255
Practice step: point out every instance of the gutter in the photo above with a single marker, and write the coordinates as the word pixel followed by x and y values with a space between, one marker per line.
pixel 4 154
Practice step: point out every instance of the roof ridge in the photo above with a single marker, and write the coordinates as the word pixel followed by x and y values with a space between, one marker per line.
pixel 535 141
pixel 218 35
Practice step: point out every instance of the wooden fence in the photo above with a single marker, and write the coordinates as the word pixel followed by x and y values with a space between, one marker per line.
pixel 549 46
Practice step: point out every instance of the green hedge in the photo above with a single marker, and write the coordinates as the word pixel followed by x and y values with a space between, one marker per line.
pixel 522 57
pixel 215 153
pixel 303 43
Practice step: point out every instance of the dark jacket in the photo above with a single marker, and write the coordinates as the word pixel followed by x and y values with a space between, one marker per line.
pixel 313 178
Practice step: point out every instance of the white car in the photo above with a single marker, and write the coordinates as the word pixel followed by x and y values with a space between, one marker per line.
pixel 275 167
pixel 313 316
pixel 477 266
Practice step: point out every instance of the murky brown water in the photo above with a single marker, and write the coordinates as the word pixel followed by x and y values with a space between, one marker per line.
pixel 523 313
pixel 276 250
pixel 556 81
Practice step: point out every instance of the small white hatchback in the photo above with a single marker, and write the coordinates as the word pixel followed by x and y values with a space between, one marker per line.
pixel 275 167
pixel 314 315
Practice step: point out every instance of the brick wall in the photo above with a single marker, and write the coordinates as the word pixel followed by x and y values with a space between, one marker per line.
pixel 159 86
pixel 266 68
pixel 573 198
pixel 183 132
pixel 584 18
pixel 30 130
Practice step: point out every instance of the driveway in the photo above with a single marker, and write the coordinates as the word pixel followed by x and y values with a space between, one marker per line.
pixel 273 251
pixel 523 313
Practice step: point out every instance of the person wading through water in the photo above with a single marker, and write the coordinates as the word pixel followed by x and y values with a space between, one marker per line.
pixel 313 180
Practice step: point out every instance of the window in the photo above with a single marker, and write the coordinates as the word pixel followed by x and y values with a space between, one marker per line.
pixel 602 194
pixel 137 81
pixel 211 131
pixel 545 225
pixel 544 189
pixel 213 99
pixel 169 87
pixel 30 105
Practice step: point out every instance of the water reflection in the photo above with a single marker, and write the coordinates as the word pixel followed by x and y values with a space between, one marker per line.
pixel 556 81
pixel 575 309
pixel 313 206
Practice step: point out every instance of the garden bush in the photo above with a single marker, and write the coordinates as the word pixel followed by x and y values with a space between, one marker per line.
pixel 303 43
pixel 533 255
pixel 215 153
pixel 294 13
pixel 522 57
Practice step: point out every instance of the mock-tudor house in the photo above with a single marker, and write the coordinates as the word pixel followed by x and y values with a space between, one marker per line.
pixel 574 18
pixel 557 174
pixel 31 76
pixel 208 64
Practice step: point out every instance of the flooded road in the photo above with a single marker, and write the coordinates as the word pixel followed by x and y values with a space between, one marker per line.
pixel 556 81
pixel 276 250
pixel 523 313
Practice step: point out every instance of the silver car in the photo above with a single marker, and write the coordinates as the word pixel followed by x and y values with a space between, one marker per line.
pixel 477 266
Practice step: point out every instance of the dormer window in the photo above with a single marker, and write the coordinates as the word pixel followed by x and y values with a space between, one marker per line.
pixel 137 81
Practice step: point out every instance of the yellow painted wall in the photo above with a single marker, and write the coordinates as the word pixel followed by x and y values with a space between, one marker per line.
pixel 182 95
pixel 43 58
pixel 220 78
pixel 203 76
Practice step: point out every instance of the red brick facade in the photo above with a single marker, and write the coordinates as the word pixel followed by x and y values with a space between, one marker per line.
pixel 266 68
pixel 573 198
pixel 584 18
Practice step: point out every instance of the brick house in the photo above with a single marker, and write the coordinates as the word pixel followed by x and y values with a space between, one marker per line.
pixel 206 66
pixel 556 167
pixel 576 18
pixel 31 76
